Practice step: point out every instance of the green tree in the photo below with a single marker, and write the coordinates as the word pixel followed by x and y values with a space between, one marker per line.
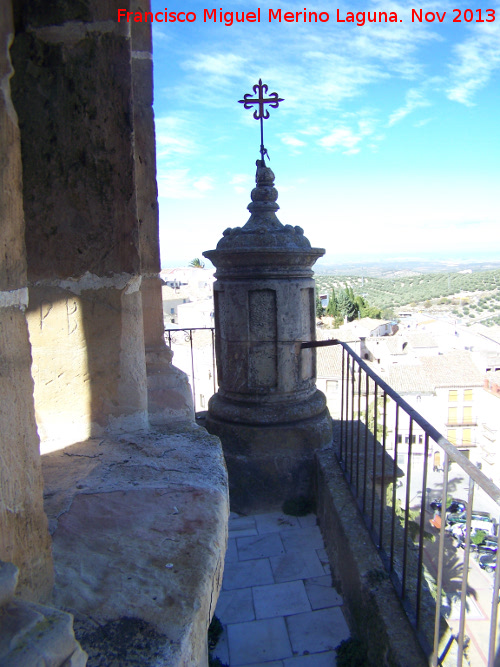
pixel 347 307
pixel 477 538
pixel 196 263
pixel 332 309
pixel 319 307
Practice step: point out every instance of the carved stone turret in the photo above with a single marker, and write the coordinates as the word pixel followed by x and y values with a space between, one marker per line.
pixel 267 411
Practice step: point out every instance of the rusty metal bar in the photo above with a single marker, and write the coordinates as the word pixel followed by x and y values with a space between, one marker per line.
pixel 494 613
pixel 365 465
pixel 214 364
pixel 382 493
pixel 358 434
pixel 374 459
pixel 421 531
pixel 320 343
pixel 341 404
pixel 407 511
pixel 465 573
pixel 348 427
pixel 394 488
pixel 353 381
pixel 439 583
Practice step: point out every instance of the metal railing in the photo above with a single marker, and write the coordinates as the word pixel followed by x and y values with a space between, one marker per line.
pixel 389 472
pixel 202 374
pixel 390 486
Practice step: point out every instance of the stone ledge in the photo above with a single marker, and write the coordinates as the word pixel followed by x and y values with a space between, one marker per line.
pixel 373 610
pixel 33 634
pixel 139 529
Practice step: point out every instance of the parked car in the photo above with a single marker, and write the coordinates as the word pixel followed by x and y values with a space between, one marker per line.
pixel 489 544
pixel 488 562
pixel 456 505
pixel 479 519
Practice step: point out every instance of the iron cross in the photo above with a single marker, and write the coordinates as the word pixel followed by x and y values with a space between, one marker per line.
pixel 261 113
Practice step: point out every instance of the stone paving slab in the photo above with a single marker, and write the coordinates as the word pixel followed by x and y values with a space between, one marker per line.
pixel 328 659
pixel 302 538
pixel 221 651
pixel 281 599
pixel 232 551
pixel 247 573
pixel 297 565
pixel 259 546
pixel 277 604
pixel 323 556
pixel 241 526
pixel 236 606
pixel 320 592
pixel 273 663
pixel 274 522
pixel 317 631
pixel 258 641
pixel 308 520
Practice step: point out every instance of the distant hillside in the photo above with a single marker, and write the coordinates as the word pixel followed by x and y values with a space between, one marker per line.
pixel 469 296
pixel 388 267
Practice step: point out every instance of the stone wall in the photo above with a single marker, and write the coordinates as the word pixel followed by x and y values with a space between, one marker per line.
pixel 83 91
pixel 374 613
pixel 24 537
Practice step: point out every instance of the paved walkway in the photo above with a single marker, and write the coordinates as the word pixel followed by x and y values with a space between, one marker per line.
pixel 277 605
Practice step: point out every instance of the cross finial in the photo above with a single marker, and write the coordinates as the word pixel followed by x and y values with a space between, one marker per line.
pixel 261 113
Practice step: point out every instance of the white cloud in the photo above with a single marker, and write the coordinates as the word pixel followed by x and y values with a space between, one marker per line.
pixel 341 137
pixel 242 183
pixel 421 123
pixel 477 59
pixel 348 140
pixel 203 184
pixel 414 99
pixel 173 137
pixel 292 141
pixel 219 66
pixel 180 184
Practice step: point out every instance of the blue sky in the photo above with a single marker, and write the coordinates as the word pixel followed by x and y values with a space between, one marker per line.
pixel 388 140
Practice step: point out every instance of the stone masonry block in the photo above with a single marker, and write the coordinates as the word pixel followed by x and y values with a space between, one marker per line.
pixel 24 537
pixel 12 253
pixel 78 162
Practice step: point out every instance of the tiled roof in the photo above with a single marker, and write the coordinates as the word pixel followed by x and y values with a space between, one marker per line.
pixel 493 333
pixel 408 379
pixel 421 339
pixel 455 369
pixel 394 344
pixel 329 361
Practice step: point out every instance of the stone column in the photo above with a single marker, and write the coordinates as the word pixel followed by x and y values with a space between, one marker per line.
pixel 169 394
pixel 73 92
pixel 268 412
pixel 24 537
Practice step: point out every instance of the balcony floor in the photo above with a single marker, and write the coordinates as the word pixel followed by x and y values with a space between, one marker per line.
pixel 277 604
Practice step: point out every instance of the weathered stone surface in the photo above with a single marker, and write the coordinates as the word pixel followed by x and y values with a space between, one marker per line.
pixel 140 30
pixel 139 528
pixel 38 13
pixel 36 635
pixel 374 612
pixel 267 411
pixel 170 399
pixel 263 230
pixel 12 253
pixel 31 634
pixel 78 162
pixel 88 359
pixel 272 464
pixel 24 539
pixel 9 575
